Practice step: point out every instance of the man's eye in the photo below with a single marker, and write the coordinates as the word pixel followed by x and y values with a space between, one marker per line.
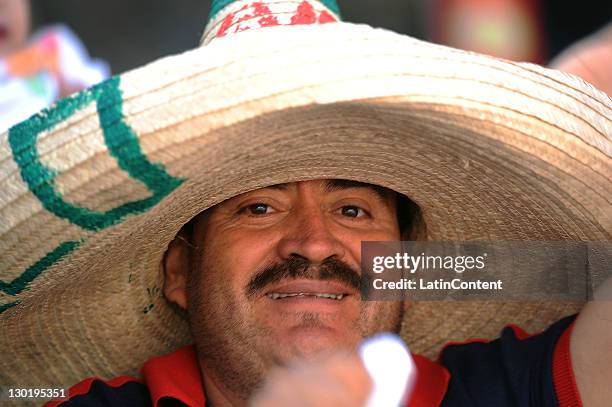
pixel 353 211
pixel 257 209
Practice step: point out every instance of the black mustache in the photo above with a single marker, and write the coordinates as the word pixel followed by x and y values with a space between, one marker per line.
pixel 330 269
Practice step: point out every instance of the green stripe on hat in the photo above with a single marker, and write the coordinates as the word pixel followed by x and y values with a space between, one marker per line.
pixel 4 307
pixel 20 283
pixel 218 5
pixel 122 143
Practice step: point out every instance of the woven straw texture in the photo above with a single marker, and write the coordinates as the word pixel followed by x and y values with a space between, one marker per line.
pixel 95 188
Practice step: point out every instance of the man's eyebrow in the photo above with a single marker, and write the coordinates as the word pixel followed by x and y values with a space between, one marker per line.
pixel 339 184
pixel 282 187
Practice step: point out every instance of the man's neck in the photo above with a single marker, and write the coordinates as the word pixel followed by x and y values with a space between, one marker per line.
pixel 215 395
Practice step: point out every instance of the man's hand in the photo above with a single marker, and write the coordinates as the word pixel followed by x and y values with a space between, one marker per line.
pixel 591 349
pixel 338 380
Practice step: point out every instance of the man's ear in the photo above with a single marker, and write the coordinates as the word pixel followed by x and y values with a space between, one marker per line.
pixel 176 267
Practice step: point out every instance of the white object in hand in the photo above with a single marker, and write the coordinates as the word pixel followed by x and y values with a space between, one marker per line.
pixel 391 367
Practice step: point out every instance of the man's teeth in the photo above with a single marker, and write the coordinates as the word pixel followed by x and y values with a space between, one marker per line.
pixel 276 296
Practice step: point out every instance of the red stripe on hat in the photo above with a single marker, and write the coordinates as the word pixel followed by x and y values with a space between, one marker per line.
pixel 325 17
pixel 305 14
pixel 225 25
pixel 261 9
pixel 268 21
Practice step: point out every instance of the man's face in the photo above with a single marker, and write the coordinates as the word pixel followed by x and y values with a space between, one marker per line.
pixel 14 25
pixel 276 273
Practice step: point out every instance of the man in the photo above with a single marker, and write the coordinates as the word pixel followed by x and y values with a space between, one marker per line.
pixel 254 136
pixel 300 238
pixel 300 242
pixel 270 280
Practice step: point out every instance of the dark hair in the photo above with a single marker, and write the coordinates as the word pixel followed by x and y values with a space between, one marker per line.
pixel 407 214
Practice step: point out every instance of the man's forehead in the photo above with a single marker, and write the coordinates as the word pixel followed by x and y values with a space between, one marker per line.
pixel 331 185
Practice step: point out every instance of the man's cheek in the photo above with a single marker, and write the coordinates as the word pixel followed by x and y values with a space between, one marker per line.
pixel 377 316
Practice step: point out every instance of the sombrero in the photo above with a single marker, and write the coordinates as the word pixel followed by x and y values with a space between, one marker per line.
pixel 95 187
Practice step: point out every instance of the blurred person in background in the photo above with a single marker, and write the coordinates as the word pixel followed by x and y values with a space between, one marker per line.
pixel 37 70
pixel 509 29
pixel 530 31
pixel 590 58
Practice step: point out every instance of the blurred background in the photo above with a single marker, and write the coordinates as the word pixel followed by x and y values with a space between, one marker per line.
pixel 50 49
pixel 130 33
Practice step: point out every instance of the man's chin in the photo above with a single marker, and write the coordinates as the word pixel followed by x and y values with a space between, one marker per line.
pixel 307 342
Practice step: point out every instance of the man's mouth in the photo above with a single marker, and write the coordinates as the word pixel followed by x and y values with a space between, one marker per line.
pixel 313 290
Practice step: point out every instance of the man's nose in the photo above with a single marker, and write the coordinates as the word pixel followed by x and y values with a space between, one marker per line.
pixel 308 235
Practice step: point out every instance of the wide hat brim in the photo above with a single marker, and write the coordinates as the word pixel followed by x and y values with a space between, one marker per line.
pixel 95 188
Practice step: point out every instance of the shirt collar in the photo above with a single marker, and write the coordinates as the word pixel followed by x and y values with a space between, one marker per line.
pixel 177 375
pixel 431 384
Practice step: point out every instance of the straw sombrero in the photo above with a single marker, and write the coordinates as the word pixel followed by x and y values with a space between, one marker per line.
pixel 94 188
